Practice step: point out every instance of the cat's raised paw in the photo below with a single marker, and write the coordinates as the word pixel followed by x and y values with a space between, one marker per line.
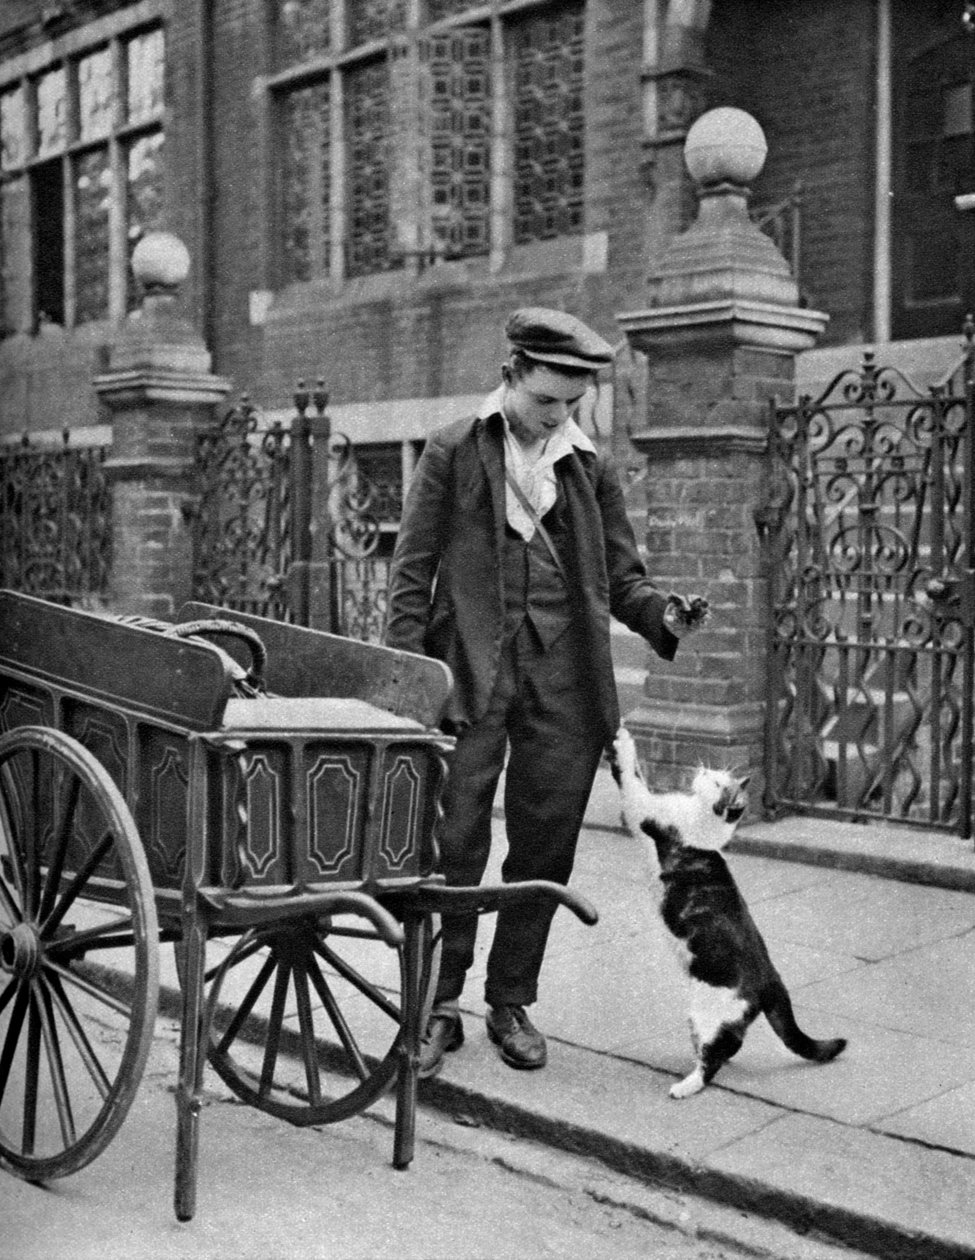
pixel 625 750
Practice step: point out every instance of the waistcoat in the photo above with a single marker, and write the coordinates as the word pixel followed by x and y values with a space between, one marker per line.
pixel 534 589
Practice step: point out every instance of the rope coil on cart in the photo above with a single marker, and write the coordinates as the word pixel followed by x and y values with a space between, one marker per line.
pixel 247 683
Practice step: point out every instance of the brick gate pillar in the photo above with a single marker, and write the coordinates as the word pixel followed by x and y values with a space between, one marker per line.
pixel 160 391
pixel 721 334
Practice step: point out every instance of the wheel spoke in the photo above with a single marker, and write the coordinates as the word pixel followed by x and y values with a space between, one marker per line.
pixel 8 903
pixel 309 1051
pixel 7 995
pixel 348 972
pixel 10 814
pixel 79 1036
pixel 55 1063
pixel 339 1022
pixel 240 955
pixel 60 848
pixel 86 986
pixel 274 1027
pixel 13 1035
pixel 32 1067
pixel 246 1006
pixel 81 878
pixel 112 935
pixel 32 858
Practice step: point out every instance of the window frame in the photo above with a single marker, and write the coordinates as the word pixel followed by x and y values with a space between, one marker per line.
pixel 22 75
pixel 413 238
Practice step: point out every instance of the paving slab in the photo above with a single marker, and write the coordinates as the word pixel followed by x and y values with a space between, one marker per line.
pixel 946 1121
pixel 887 1195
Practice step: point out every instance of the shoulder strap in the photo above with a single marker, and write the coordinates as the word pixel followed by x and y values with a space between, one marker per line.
pixel 536 521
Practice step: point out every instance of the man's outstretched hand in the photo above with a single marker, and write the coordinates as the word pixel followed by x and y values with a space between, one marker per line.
pixel 685 614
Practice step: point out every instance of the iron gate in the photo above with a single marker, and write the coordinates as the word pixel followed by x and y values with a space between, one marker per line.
pixel 872 589
pixel 285 526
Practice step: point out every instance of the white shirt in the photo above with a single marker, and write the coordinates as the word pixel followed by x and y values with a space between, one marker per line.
pixel 533 469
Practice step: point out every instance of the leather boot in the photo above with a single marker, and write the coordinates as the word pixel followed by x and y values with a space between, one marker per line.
pixel 520 1043
pixel 444 1031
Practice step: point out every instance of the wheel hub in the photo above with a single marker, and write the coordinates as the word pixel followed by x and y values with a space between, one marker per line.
pixel 20 949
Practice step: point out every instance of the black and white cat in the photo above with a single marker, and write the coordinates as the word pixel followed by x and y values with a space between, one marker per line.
pixel 732 978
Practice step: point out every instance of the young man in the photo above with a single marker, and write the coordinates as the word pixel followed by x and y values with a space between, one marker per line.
pixel 513 551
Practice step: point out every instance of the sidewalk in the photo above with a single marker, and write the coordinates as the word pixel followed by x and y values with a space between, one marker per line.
pixel 876 1149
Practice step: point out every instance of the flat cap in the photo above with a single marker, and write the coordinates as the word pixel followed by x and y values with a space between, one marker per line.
pixel 556 338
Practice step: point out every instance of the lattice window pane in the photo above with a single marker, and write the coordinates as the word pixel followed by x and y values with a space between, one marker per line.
pixel 13 130
pixel 367 126
pixel 145 66
pixel 96 95
pixel 93 196
pixel 303 29
pixel 549 156
pixel 305 180
pixel 52 112
pixel 460 139
pixel 374 19
pixel 381 464
pixel 439 9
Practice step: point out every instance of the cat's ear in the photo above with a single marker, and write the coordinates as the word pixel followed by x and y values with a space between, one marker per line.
pixel 743 783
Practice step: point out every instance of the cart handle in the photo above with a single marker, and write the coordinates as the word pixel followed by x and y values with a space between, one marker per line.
pixel 254 677
pixel 487 898
pixel 252 909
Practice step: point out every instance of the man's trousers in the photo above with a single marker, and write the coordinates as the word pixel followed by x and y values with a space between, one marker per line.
pixel 543 707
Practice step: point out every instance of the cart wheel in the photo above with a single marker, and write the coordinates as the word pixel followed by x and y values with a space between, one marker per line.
pixel 79 961
pixel 308 1017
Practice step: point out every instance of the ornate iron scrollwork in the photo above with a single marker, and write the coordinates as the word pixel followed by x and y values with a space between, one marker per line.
pixel 870 701
pixel 56 521
pixel 243 529
pixel 274 514
pixel 359 574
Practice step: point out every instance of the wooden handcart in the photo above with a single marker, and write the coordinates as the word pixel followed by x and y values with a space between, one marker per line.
pixel 263 798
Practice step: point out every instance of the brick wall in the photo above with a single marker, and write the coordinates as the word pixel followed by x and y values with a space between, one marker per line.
pixel 810 85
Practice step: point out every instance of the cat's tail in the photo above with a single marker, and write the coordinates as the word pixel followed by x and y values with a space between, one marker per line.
pixel 779 1013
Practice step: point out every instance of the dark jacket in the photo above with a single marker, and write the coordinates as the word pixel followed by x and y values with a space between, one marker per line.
pixel 446 597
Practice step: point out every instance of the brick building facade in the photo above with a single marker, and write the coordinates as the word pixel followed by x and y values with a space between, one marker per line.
pixel 387 325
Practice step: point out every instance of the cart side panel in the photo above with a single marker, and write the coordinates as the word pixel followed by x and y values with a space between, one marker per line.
pixel 411 782
pixel 104 732
pixel 304 662
pixel 333 780
pixel 161 805
pixel 24 703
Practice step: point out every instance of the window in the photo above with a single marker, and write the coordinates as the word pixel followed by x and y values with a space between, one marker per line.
pixel 81 178
pixel 434 129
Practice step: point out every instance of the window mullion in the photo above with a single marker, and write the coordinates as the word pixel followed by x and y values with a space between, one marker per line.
pixel 338 190
pixel 118 212
pixel 502 181
pixel 70 234
pixel 405 141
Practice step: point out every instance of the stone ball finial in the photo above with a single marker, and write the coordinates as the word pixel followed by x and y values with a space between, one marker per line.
pixel 725 145
pixel 160 261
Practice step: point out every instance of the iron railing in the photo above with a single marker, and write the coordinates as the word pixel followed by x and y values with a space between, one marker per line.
pixel 55 520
